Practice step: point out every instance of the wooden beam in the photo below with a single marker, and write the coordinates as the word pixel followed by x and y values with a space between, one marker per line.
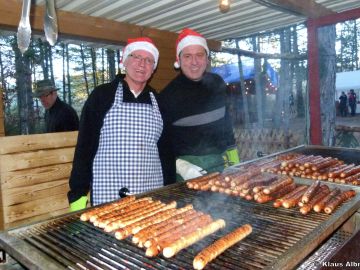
pixel 352 14
pixel 307 8
pixel 287 56
pixel 85 27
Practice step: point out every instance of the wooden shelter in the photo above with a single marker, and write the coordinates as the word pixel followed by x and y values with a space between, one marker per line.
pixel 34 169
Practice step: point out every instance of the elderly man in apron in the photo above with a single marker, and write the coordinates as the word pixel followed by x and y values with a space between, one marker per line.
pixel 120 126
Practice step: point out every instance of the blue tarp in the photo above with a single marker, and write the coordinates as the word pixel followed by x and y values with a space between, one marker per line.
pixel 230 73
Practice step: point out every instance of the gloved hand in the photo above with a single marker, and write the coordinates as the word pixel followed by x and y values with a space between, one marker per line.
pixel 232 156
pixel 188 170
pixel 78 204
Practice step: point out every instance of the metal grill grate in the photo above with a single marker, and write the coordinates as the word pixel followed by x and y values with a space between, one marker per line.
pixel 277 235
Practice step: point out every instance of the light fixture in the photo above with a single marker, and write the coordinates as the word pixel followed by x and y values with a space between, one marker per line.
pixel 224 5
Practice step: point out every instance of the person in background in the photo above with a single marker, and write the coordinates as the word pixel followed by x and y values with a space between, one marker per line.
pixel 352 102
pixel 120 125
pixel 59 116
pixel 198 133
pixel 343 104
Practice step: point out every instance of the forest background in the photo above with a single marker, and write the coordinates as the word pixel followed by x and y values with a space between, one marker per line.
pixel 77 68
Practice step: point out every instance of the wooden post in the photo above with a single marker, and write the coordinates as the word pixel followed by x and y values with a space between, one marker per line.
pixel 314 85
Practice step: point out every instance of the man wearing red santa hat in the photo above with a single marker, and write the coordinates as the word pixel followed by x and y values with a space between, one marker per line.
pixel 198 136
pixel 119 129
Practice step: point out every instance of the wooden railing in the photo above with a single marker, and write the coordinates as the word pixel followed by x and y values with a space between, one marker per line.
pixel 34 173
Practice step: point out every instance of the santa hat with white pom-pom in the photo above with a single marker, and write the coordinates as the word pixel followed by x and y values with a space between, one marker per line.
pixel 186 38
pixel 141 43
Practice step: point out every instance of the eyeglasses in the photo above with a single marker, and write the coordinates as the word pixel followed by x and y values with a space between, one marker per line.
pixel 139 59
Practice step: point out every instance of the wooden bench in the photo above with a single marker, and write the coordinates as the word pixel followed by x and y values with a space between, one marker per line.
pixel 34 173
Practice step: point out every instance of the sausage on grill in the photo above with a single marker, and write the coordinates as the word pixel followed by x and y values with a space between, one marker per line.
pixel 190 239
pixel 219 246
pixel 337 200
pixel 310 192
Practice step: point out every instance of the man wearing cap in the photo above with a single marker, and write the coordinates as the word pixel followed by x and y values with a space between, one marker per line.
pixel 198 136
pixel 59 116
pixel 119 129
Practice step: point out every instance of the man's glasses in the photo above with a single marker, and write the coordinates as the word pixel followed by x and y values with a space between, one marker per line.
pixel 139 59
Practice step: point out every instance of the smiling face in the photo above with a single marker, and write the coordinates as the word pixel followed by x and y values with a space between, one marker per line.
pixel 193 62
pixel 139 67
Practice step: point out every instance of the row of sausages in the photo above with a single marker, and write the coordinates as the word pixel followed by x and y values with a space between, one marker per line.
pixel 313 167
pixel 282 190
pixel 163 228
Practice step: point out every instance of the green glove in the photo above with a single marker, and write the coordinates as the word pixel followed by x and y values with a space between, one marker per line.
pixel 232 156
pixel 79 204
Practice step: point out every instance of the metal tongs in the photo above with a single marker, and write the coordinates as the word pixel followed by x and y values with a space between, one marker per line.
pixel 24 29
pixel 50 22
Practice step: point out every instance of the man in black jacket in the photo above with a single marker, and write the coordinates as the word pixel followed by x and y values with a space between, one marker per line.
pixel 198 133
pixel 59 116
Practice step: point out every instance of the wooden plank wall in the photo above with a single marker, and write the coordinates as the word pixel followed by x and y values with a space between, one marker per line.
pixel 34 172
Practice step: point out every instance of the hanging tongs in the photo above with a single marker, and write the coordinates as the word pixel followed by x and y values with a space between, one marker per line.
pixel 24 29
pixel 50 22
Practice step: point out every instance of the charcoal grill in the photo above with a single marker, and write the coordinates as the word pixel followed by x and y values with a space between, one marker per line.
pixel 281 238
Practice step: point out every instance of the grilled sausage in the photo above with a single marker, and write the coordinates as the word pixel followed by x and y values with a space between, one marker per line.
pixel 153 219
pixel 310 192
pixel 155 247
pixel 337 173
pixel 263 198
pixel 337 200
pixel 106 208
pixel 190 239
pixel 131 206
pixel 127 218
pixel 322 192
pixel 350 171
pixel 294 199
pixel 318 207
pixel 165 226
pixel 298 189
pixel 277 185
pixel 219 246
pixel 200 179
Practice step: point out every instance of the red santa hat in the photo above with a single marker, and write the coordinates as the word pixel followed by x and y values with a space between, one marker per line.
pixel 186 38
pixel 141 43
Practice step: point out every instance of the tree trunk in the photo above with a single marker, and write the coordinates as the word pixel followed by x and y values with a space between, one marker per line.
pixel 258 86
pixel 111 62
pixel 3 84
pixel 93 64
pixel 243 91
pixel 63 70
pixel 299 78
pixel 51 67
pixel 24 90
pixel 43 57
pixel 68 75
pixel 327 65
pixel 355 47
pixel 84 69
pixel 102 66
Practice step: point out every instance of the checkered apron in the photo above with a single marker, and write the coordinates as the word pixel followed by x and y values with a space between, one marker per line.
pixel 127 155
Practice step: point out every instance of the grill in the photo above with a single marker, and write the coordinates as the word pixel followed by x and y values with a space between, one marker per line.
pixel 281 238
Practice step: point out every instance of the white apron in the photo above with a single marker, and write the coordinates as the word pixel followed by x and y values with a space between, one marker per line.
pixel 127 156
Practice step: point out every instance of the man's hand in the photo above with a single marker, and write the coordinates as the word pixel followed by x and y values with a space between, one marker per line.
pixel 78 204
pixel 188 170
